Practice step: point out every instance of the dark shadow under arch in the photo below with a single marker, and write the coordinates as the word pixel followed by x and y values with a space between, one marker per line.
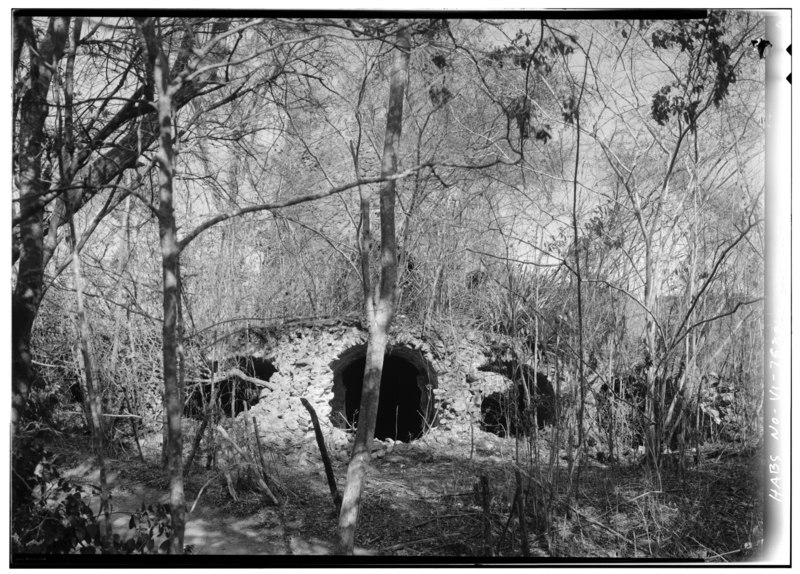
pixel 405 407
pixel 530 398
pixel 232 391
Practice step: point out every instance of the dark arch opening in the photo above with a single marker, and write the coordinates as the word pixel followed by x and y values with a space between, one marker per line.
pixel 512 412
pixel 405 407
pixel 233 392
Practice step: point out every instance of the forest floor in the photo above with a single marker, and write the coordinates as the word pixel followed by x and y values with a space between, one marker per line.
pixel 423 499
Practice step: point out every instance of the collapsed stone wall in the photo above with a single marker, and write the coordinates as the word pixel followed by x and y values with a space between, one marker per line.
pixel 310 360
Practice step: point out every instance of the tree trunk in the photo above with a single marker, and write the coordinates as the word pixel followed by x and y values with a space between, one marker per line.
pixel 170 253
pixel 579 289
pixel 652 411
pixel 28 289
pixel 171 342
pixel 93 394
pixel 380 303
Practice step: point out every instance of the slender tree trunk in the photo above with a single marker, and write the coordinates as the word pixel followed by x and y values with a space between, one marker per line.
pixel 171 340
pixel 380 304
pixel 30 273
pixel 652 415
pixel 579 288
pixel 93 394
pixel 170 253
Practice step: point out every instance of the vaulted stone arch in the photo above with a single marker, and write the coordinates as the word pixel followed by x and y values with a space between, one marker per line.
pixel 434 377
pixel 406 406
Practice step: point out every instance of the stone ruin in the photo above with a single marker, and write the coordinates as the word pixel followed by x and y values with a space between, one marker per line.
pixel 434 379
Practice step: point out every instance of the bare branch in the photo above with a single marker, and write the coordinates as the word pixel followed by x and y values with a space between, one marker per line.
pixel 290 202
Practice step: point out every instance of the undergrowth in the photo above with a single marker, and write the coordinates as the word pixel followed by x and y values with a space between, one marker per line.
pixel 426 498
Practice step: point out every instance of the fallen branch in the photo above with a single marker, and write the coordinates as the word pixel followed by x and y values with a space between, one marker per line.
pixel 219 377
pixel 196 500
pixel 326 461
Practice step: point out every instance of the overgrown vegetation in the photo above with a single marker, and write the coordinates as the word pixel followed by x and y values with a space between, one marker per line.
pixel 424 500
pixel 588 195
pixel 53 513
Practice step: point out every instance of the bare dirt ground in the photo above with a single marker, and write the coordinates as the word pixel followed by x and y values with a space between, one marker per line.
pixel 423 500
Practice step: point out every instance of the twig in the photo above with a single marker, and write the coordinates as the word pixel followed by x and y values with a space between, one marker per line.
pixel 600 524
pixel 726 553
pixel 409 543
pixel 403 544
pixel 219 377
pixel 438 496
pixel 37 363
pixel 27 486
pixel 645 494
pixel 417 525
pixel 715 555
pixel 721 453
